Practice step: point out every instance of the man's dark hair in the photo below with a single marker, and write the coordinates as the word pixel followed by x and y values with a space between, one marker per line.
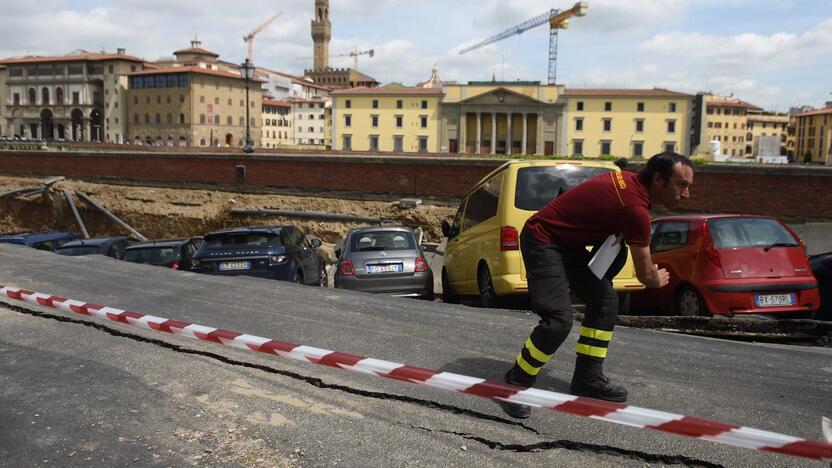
pixel 662 164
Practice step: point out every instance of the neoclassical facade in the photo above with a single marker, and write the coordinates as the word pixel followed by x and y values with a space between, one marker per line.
pixel 76 97
pixel 502 118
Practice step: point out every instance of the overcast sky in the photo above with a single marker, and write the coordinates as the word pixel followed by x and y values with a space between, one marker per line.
pixel 773 53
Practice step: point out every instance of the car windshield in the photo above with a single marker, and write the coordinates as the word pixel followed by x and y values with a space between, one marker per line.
pixel 382 240
pixel 78 250
pixel 151 255
pixel 539 185
pixel 252 239
pixel 729 233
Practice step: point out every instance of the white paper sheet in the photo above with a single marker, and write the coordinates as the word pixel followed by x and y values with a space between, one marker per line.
pixel 603 258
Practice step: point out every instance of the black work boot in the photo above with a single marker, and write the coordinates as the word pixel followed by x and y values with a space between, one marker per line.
pixel 589 381
pixel 515 410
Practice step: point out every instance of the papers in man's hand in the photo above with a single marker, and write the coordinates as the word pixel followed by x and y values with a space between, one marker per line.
pixel 603 258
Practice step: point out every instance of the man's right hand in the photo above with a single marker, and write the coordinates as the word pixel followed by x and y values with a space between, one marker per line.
pixel 646 271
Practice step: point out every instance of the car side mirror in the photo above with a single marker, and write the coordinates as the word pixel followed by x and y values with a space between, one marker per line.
pixel 315 242
pixel 446 228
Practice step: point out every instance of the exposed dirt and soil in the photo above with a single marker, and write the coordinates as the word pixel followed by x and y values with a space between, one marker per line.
pixel 160 212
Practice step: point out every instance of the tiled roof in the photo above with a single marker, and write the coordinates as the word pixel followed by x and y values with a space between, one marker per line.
pixel 196 50
pixel 204 71
pixel 277 102
pixel 69 58
pixel 389 90
pixel 825 110
pixel 624 92
pixel 730 102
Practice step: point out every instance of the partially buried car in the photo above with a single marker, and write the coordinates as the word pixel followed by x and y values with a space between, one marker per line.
pixel 275 252
pixel 49 241
pixel 172 253
pixel 729 265
pixel 109 246
pixel 385 260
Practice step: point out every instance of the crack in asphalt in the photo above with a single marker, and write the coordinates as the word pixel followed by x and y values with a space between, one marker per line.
pixel 580 447
pixel 547 445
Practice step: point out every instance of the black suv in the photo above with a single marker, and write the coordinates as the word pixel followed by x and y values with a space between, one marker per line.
pixel 277 252
pixel 109 246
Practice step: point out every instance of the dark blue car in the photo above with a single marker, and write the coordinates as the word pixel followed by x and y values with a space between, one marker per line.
pixel 109 246
pixel 276 252
pixel 49 241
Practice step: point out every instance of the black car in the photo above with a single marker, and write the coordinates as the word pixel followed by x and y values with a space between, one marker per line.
pixel 109 246
pixel 821 265
pixel 173 253
pixel 49 241
pixel 276 252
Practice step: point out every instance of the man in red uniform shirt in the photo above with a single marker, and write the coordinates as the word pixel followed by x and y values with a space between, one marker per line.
pixel 553 244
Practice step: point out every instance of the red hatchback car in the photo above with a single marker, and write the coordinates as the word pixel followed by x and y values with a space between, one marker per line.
pixel 729 264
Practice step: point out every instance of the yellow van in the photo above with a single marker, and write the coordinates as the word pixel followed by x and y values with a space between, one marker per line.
pixel 482 256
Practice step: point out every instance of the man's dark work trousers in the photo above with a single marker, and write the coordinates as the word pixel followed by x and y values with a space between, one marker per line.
pixel 551 270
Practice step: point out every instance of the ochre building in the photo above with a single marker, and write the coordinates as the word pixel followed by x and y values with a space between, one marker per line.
pixel 813 132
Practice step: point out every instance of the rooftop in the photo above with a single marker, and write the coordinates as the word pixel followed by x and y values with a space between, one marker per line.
pixel 69 58
pixel 392 90
pixel 624 92
pixel 825 110
pixel 190 69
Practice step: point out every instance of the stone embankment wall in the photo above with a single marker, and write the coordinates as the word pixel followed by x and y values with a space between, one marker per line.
pixel 791 192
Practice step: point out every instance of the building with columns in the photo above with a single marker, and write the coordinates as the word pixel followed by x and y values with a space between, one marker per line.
pixel 494 117
pixel 75 97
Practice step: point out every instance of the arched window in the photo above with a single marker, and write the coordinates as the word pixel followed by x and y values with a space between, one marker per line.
pixel 202 142
pixel 242 120
pixel 147 118
pixel 169 118
pixel 44 95
pixel 33 95
pixel 168 101
pixel 136 119
pixel 217 119
pixel 158 118
pixel 229 101
pixel 202 99
pixel 181 118
pixel 202 120
pixel 216 100
pixel 181 98
pixel 242 103
pixel 59 95
pixel 229 120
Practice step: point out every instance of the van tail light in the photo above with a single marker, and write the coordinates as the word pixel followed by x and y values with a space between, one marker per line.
pixel 347 268
pixel 421 264
pixel 710 248
pixel 509 239
pixel 175 265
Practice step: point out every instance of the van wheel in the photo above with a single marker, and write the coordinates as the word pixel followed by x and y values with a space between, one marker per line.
pixel 488 296
pixel 448 295
pixel 689 303
pixel 324 279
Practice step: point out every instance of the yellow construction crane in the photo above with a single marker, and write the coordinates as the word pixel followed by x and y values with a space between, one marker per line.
pixel 249 38
pixel 557 20
pixel 354 54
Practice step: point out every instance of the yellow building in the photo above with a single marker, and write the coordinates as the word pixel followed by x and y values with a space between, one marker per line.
pixel 634 123
pixel 765 125
pixel 392 118
pixel 724 126
pixel 493 117
pixel 813 131
pixel 192 106
pixel 277 124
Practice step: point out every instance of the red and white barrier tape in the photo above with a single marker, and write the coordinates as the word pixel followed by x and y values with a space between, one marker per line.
pixel 727 434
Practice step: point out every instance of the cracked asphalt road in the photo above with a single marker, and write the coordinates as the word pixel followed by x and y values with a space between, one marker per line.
pixel 78 391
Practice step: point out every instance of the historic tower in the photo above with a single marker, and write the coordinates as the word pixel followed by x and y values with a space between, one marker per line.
pixel 321 33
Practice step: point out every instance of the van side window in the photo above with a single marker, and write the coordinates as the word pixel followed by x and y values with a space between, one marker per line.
pixel 482 204
pixel 457 224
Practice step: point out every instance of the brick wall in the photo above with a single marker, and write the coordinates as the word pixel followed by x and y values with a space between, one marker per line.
pixel 788 192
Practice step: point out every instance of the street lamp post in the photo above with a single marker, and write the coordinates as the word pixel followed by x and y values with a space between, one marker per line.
pixel 247 72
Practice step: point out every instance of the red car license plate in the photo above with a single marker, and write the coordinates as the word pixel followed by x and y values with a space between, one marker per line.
pixel 774 300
